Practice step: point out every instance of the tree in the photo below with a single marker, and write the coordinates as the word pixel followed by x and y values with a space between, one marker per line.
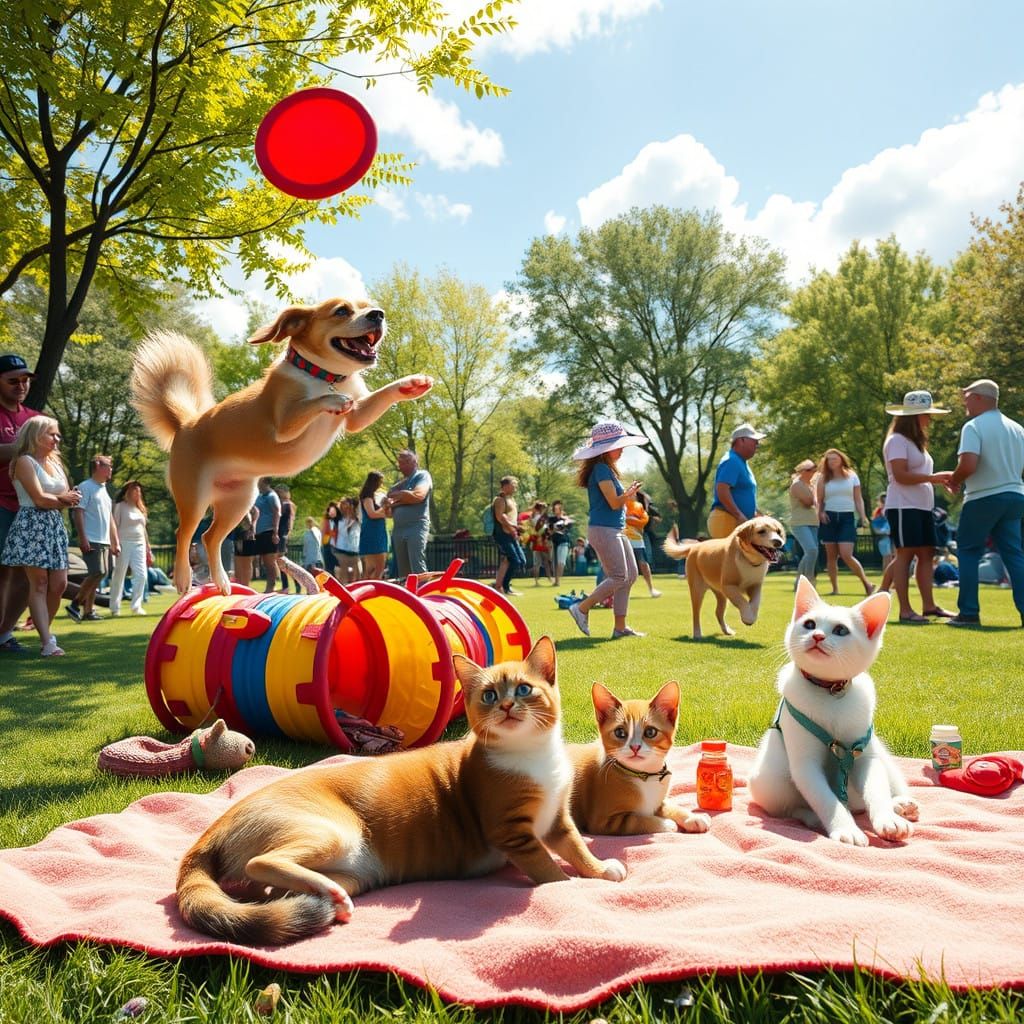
pixel 654 316
pixel 854 346
pixel 126 136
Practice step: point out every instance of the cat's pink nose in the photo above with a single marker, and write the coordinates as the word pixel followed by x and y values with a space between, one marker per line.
pixel 818 636
pixel 635 747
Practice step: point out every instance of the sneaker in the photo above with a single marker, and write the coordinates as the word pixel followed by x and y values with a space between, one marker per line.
pixel 514 593
pixel 617 634
pixel 75 612
pixel 12 646
pixel 964 620
pixel 580 618
pixel 50 649
pixel 655 593
pixel 92 616
pixel 141 611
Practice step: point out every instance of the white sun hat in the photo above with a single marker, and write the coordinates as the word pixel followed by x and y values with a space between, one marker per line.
pixel 606 437
pixel 914 404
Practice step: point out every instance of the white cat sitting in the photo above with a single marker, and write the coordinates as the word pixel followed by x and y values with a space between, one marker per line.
pixel 821 759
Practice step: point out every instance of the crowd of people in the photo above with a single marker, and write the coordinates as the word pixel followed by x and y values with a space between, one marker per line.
pixel 351 539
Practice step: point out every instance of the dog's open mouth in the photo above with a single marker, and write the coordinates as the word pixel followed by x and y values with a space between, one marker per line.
pixel 768 554
pixel 363 348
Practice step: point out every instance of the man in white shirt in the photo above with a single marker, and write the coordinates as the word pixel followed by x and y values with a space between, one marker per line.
pixel 991 467
pixel 97 535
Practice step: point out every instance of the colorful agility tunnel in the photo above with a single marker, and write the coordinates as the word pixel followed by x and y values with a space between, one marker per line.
pixel 288 665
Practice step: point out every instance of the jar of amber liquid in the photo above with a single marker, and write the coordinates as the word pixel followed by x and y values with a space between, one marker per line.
pixel 714 777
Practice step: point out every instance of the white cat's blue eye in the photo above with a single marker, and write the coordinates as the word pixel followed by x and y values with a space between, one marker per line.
pixel 489 697
pixel 524 690
pixel 810 624
pixel 840 630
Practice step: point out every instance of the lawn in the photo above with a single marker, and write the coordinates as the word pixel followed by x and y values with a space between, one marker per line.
pixel 56 714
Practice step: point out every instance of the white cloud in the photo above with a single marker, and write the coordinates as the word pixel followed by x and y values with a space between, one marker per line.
pixel 544 25
pixel 924 192
pixel 323 278
pixel 389 200
pixel 553 222
pixel 436 207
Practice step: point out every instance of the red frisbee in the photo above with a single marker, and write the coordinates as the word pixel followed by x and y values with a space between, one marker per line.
pixel 315 143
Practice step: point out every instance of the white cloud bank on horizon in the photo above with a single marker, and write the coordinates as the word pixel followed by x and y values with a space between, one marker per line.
pixel 924 193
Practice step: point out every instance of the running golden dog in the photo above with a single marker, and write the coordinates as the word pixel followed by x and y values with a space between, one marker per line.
pixel 277 426
pixel 734 567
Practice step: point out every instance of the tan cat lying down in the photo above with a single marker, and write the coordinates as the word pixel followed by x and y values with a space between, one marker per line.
pixel 620 782
pixel 452 810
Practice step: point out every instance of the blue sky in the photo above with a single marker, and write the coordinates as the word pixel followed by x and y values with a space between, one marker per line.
pixel 809 124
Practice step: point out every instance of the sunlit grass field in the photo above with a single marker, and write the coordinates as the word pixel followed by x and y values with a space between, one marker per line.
pixel 56 714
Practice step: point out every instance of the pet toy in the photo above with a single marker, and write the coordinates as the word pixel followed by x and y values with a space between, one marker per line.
pixel 217 748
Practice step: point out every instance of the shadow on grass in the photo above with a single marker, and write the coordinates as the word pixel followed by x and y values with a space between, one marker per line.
pixel 724 642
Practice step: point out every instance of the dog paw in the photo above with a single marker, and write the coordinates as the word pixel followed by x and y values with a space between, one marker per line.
pixel 850 835
pixel 892 829
pixel 337 404
pixel 748 618
pixel 906 807
pixel 223 584
pixel 728 630
pixel 613 870
pixel 343 906
pixel 695 823
pixel 414 386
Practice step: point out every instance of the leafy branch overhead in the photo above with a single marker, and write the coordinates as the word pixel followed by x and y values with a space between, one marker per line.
pixel 126 135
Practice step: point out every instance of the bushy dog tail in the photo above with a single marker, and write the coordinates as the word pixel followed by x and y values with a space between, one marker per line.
pixel 676 548
pixel 207 908
pixel 170 384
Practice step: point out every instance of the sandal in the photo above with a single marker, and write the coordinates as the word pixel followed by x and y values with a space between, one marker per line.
pixel 913 620
pixel 938 613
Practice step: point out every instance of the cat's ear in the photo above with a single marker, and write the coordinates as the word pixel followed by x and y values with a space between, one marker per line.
pixel 605 702
pixel 468 672
pixel 806 597
pixel 874 611
pixel 666 700
pixel 541 660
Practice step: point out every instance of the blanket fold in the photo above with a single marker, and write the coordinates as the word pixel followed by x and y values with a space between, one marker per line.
pixel 754 893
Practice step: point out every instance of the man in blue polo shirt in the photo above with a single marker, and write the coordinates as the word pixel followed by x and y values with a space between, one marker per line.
pixel 735 496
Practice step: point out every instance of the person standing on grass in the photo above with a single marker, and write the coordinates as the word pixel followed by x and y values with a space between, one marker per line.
pixel 558 532
pixel 373 528
pixel 735 494
pixel 990 465
pixel 97 536
pixel 37 541
pixel 506 536
pixel 840 508
pixel 803 519
pixel 284 495
pixel 408 501
pixel 15 380
pixel 909 500
pixel 599 474
pixel 130 515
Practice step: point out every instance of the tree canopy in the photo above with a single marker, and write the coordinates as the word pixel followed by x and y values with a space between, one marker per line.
pixel 126 136
pixel 656 314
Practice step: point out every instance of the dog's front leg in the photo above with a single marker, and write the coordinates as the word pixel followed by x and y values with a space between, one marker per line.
pixel 369 409
pixel 748 613
pixel 297 418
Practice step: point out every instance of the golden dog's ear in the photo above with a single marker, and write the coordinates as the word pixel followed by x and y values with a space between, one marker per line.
pixel 289 323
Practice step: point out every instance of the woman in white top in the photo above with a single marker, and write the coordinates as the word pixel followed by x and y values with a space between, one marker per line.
pixel 909 501
pixel 840 508
pixel 130 516
pixel 346 545
pixel 38 539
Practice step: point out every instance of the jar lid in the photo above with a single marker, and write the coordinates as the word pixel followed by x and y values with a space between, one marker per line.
pixel 713 746
pixel 945 730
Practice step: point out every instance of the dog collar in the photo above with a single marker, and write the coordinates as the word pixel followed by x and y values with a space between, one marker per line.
pixel 302 363
pixel 836 687
pixel 643 776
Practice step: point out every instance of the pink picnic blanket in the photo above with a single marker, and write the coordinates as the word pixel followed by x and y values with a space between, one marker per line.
pixel 753 893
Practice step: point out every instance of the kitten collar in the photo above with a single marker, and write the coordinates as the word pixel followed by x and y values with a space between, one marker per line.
pixel 302 363
pixel 663 773
pixel 837 687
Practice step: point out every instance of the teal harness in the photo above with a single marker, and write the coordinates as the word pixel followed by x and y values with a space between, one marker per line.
pixel 845 756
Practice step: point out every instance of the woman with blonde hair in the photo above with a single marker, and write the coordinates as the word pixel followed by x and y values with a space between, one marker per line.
pixel 38 540
pixel 130 517
pixel 909 501
pixel 803 518
pixel 840 508
pixel 599 473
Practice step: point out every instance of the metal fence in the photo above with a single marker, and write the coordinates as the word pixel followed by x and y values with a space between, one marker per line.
pixel 480 555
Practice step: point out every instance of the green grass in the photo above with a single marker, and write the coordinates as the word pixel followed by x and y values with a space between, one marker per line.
pixel 56 714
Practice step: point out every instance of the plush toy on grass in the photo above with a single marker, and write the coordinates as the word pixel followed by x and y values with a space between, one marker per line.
pixel 216 748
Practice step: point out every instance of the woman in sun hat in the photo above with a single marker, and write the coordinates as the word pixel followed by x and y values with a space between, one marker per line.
pixel 910 499
pixel 608 497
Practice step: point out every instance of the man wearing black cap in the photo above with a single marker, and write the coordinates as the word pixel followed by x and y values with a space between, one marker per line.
pixel 990 464
pixel 14 383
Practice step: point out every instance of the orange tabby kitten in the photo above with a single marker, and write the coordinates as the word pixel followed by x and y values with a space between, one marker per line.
pixel 621 781
pixel 451 810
